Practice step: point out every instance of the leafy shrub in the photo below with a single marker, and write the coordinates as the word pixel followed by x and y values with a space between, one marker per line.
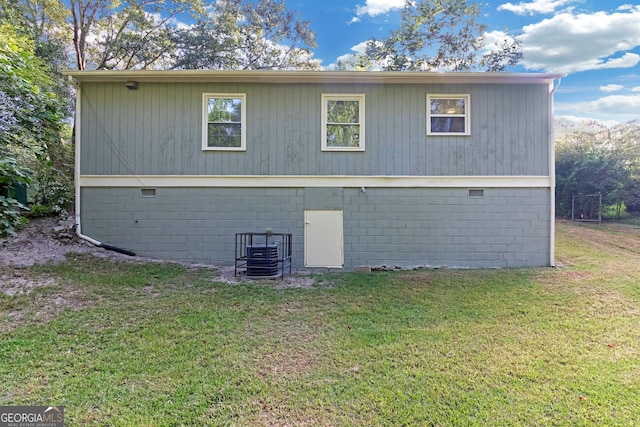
pixel 10 209
pixel 39 211
pixel 52 187
pixel 10 216
pixel 31 128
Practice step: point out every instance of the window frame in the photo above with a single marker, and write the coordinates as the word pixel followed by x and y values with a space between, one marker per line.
pixel 466 115
pixel 360 98
pixel 205 120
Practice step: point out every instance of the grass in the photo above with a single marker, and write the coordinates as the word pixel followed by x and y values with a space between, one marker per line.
pixel 161 345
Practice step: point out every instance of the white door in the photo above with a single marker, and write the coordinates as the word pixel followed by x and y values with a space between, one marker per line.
pixel 323 239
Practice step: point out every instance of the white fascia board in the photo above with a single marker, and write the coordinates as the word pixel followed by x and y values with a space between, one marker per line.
pixel 298 181
pixel 283 76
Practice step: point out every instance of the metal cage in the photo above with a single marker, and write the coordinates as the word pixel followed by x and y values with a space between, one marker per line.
pixel 262 255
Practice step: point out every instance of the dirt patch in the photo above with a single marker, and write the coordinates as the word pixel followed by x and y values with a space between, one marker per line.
pixel 50 240
pixel 15 282
pixel 53 240
pixel 41 241
pixel 44 240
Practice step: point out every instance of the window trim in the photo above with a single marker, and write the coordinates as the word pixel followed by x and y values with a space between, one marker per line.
pixel 243 120
pixel 360 97
pixel 466 115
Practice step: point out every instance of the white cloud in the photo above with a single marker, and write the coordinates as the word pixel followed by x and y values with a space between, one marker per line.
pixel 611 88
pixel 621 108
pixel 536 6
pixel 379 7
pixel 626 7
pixel 636 89
pixel 349 61
pixel 181 25
pixel 360 48
pixel 356 50
pixel 578 42
pixel 492 38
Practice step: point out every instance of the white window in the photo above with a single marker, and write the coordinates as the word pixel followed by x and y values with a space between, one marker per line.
pixel 224 123
pixel 342 122
pixel 448 115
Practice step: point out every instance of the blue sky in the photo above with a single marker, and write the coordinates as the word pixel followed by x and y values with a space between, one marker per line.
pixel 595 42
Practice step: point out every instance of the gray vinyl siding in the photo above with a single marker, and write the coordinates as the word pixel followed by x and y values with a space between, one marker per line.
pixel 390 227
pixel 157 130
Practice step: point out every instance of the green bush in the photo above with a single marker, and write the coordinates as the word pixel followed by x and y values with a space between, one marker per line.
pixel 10 216
pixel 11 210
pixel 31 128
pixel 52 187
pixel 39 211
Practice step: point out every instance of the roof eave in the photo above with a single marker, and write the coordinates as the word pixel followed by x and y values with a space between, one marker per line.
pixel 280 76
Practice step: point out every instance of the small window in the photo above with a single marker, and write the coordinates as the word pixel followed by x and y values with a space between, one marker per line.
pixel 342 122
pixel 224 122
pixel 147 192
pixel 448 115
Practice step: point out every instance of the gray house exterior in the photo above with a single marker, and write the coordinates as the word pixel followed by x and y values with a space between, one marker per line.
pixel 363 169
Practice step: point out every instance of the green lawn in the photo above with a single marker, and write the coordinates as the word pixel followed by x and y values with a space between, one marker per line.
pixel 124 344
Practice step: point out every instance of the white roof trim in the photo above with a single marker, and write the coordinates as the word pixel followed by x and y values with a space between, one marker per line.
pixel 353 77
pixel 298 181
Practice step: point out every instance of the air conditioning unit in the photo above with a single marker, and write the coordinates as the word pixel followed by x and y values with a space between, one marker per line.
pixel 263 255
pixel 262 260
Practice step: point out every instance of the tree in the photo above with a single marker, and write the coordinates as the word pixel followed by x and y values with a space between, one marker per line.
pixel 30 109
pixel 132 38
pixel 42 23
pixel 30 126
pixel 247 35
pixel 599 159
pixel 38 17
pixel 112 34
pixel 146 34
pixel 85 14
pixel 439 35
pixel 506 52
pixel 627 143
